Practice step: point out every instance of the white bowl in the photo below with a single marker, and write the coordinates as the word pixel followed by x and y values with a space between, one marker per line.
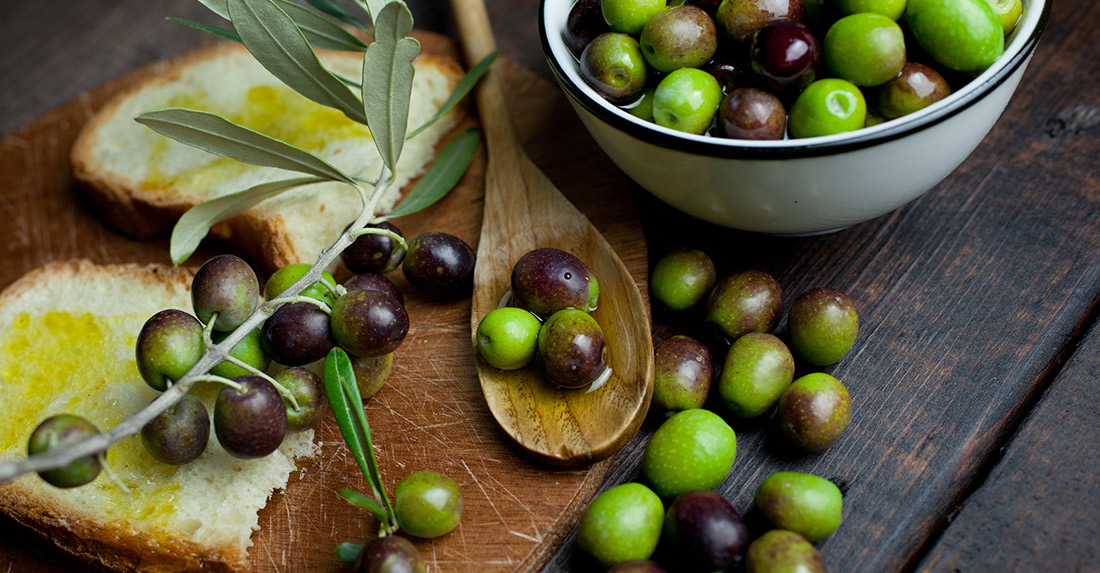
pixel 802 186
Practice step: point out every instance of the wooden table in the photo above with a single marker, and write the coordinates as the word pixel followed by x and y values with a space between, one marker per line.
pixel 974 438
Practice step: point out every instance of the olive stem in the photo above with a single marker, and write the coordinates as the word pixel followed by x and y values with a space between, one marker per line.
pixel 275 303
pixel 286 394
pixel 111 475
pixel 385 232
pixel 215 355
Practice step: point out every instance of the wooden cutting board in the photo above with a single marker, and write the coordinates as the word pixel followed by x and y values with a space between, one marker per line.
pixel 431 414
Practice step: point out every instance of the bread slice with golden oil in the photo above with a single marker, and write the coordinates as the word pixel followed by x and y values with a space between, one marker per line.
pixel 141 182
pixel 67 334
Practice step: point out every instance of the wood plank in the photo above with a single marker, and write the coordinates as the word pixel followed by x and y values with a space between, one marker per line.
pixel 967 297
pixel 1037 510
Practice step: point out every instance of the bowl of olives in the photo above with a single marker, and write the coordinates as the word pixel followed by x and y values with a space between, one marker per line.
pixel 789 117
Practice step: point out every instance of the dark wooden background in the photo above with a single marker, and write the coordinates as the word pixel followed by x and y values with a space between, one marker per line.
pixel 976 421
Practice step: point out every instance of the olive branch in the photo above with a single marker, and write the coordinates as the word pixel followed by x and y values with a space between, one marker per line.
pixel 282 36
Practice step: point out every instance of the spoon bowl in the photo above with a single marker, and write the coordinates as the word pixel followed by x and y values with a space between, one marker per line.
pixel 524 211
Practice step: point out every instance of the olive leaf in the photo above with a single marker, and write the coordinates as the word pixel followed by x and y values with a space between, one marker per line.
pixel 347 408
pixel 215 134
pixel 442 175
pixel 319 31
pixel 365 502
pixel 278 45
pixel 195 224
pixel 389 64
pixel 463 87
pixel 334 9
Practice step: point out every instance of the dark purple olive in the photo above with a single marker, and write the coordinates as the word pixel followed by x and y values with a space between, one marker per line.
pixel 374 253
pixel 250 422
pixel 441 265
pixel 751 113
pixel 297 334
pixel 547 280
pixel 309 392
pixel 368 323
pixel 585 21
pixel 390 554
pixel 375 281
pixel 706 533
pixel 786 54
pixel 730 72
pixel 711 6
pixel 179 434
pixel 682 373
pixel 572 350
pixel 60 431
pixel 226 286
pixel 814 411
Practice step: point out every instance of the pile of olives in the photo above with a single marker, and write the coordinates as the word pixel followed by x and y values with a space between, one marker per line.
pixel 692 451
pixel 547 322
pixel 766 69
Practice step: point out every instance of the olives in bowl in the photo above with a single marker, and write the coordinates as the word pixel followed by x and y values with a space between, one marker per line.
pixel 836 175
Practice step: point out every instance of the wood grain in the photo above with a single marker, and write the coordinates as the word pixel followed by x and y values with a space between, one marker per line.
pixel 430 416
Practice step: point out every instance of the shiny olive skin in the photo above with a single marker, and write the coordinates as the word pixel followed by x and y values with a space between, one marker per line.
pixel 866 49
pixel 730 72
pixel 169 345
pixel 752 113
pixel 179 434
pixel 375 281
pixel 621 524
pixel 309 392
pixel 251 422
pixel 682 278
pixel 748 301
pixel 547 280
pixel 786 55
pixel 827 107
pixel 390 554
pixel 705 531
pixel 283 278
pixel 614 66
pixel 368 323
pixel 806 504
pixel 682 373
pixel 916 87
pixel 780 550
pixel 962 35
pixel 572 349
pixel 227 286
pixel 297 334
pixel 585 22
pixel 440 265
pixel 694 449
pixel 249 350
pixel 814 411
pixel 428 504
pixel 823 325
pixel 680 37
pixel 740 19
pixel 687 100
pixel 59 431
pixel 757 370
pixel 373 252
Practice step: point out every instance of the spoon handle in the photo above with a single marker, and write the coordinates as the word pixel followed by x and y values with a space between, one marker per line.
pixel 476 34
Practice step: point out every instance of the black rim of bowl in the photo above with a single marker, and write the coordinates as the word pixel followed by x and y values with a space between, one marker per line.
pixel 723 148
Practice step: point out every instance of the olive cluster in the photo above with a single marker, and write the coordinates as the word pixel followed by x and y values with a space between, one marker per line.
pixel 693 450
pixel 548 321
pixel 629 529
pixel 760 69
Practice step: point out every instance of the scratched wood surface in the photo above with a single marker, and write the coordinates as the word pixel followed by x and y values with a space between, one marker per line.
pixel 430 416
pixel 972 446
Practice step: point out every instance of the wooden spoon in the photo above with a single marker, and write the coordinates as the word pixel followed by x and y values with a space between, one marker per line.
pixel 524 211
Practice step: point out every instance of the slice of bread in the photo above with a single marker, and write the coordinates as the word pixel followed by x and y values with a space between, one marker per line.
pixel 141 182
pixel 67 334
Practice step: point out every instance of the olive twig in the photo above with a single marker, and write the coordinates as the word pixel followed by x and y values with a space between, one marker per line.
pixel 275 303
pixel 400 240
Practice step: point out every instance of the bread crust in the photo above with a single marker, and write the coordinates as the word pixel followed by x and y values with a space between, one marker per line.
pixel 129 207
pixel 90 537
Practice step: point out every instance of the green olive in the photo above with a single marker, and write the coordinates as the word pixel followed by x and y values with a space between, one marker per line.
pixel 428 504
pixel 963 35
pixel 621 524
pixel 694 449
pixel 806 504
